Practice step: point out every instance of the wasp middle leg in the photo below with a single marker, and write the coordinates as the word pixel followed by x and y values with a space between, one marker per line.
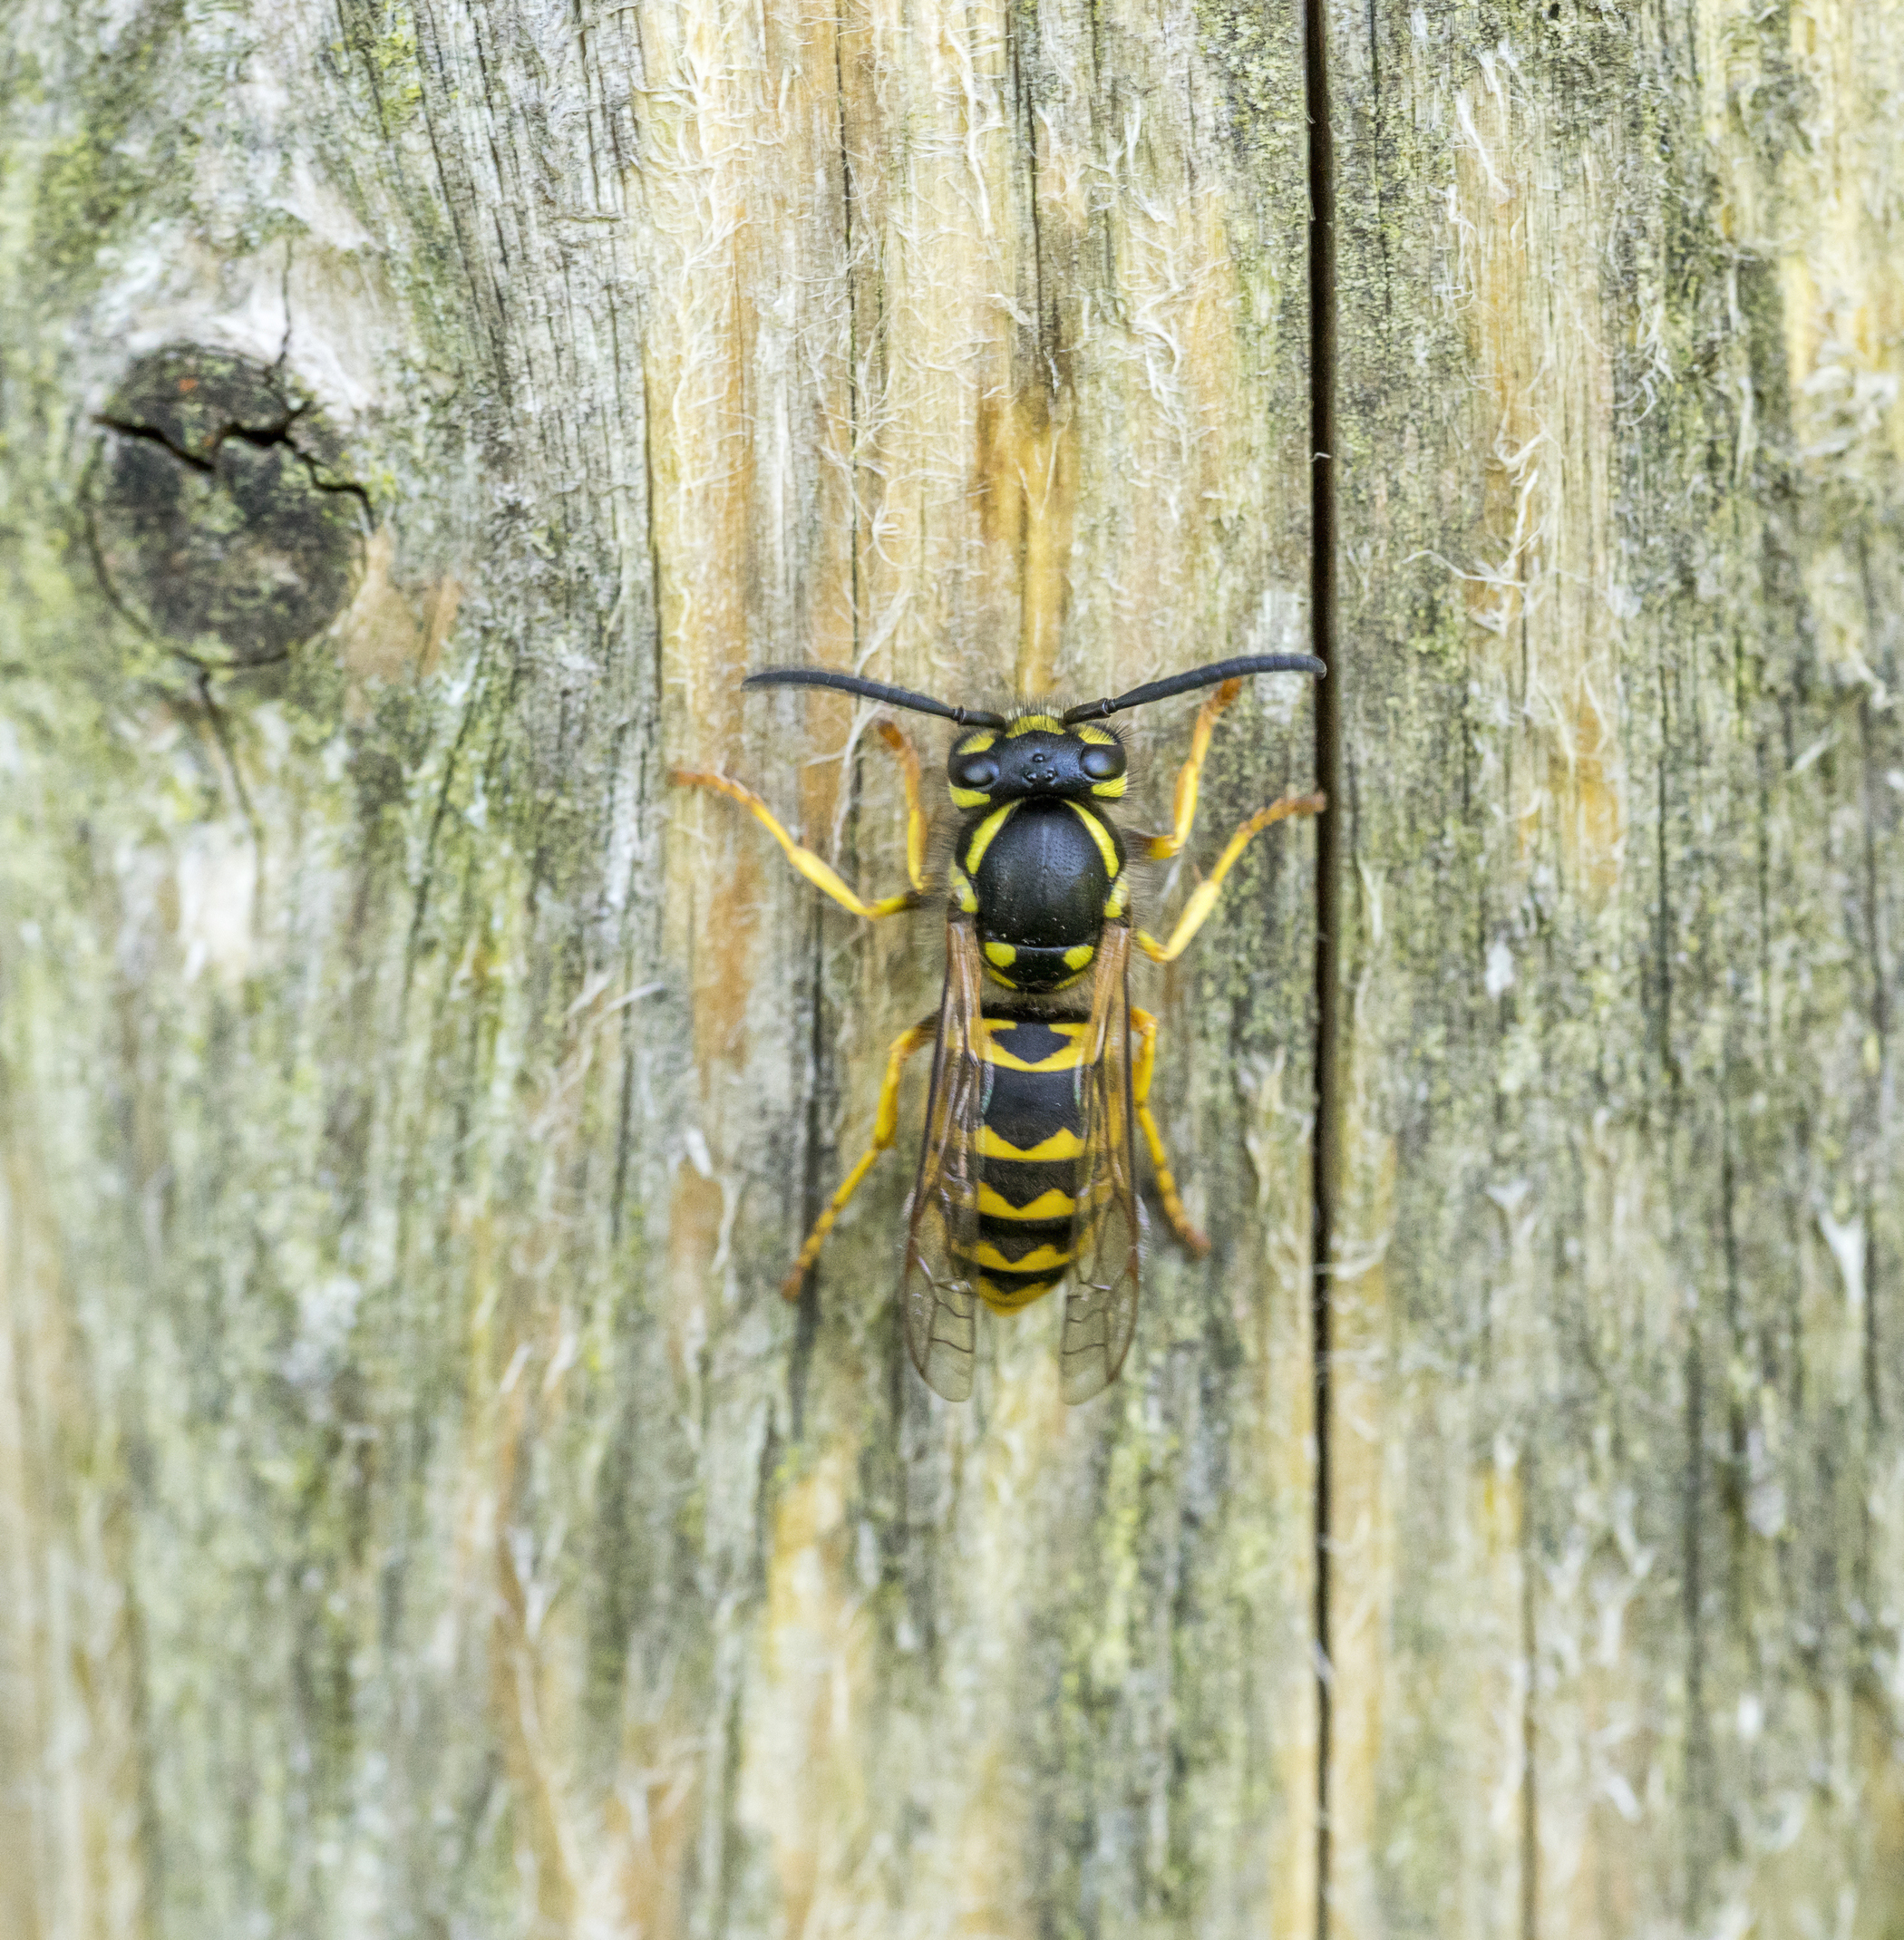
pixel 1145 1026
pixel 814 867
pixel 886 1126
pixel 1203 899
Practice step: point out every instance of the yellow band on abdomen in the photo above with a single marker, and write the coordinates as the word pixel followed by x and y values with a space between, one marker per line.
pixel 1003 1300
pixel 1064 1144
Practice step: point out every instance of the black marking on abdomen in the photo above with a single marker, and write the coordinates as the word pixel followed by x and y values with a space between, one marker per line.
pixel 1015 1239
pixel 1025 1108
pixel 1020 1181
pixel 1030 1040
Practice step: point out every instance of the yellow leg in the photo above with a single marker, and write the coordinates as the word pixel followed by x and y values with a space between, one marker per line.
pixel 817 872
pixel 885 1125
pixel 915 815
pixel 1160 848
pixel 1203 899
pixel 1146 1026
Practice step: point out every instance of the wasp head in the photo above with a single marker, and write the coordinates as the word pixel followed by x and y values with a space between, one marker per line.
pixel 1035 754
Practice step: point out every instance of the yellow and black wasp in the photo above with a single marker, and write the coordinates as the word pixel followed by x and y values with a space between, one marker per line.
pixel 1025 1177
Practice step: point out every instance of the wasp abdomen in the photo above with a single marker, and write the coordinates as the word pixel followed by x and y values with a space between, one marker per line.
pixel 1030 1156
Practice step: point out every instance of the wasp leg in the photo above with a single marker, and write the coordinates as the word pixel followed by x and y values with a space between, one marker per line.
pixel 915 815
pixel 1146 1027
pixel 816 871
pixel 1203 899
pixel 1160 848
pixel 885 1125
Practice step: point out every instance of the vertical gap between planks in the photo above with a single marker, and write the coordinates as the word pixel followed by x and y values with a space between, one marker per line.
pixel 1328 862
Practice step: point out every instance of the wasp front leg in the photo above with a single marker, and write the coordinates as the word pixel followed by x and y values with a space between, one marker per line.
pixel 1145 1026
pixel 815 868
pixel 1183 816
pixel 916 825
pixel 1203 899
pixel 885 1125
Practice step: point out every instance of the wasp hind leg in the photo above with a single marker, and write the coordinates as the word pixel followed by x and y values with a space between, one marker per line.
pixel 885 1125
pixel 815 868
pixel 1182 1225
pixel 1203 899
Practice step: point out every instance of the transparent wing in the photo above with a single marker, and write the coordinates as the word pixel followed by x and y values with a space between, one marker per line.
pixel 1107 1230
pixel 936 1297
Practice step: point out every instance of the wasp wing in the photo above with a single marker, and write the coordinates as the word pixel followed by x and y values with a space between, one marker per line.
pixel 936 1297
pixel 1107 1230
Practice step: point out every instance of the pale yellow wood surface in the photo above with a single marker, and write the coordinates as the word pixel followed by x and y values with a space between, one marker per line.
pixel 1619 1514
pixel 418 1512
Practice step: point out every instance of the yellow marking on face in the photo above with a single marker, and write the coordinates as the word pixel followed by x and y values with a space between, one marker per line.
pixel 1110 789
pixel 963 893
pixel 1068 1059
pixel 975 744
pixel 982 836
pixel 1079 955
pixel 1100 835
pixel 1063 1144
pixel 1098 737
pixel 1000 956
pixel 1120 895
pixel 1047 1206
pixel 1034 724
pixel 1010 1300
pixel 1040 1259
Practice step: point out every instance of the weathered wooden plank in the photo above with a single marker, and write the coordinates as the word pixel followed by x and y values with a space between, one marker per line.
pixel 419 1510
pixel 1616 1518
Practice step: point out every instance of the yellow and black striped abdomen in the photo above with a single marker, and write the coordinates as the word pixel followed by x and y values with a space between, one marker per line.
pixel 1030 1158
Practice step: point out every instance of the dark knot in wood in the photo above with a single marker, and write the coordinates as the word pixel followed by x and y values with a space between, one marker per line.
pixel 220 518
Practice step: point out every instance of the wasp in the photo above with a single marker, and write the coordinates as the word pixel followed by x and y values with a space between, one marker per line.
pixel 1026 1178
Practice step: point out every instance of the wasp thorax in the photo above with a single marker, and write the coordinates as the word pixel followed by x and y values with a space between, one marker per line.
pixel 1034 755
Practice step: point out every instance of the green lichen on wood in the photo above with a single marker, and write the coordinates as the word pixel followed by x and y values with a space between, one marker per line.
pixel 115 86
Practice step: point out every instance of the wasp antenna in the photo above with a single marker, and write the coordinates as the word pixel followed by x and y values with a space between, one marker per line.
pixel 1220 670
pixel 873 690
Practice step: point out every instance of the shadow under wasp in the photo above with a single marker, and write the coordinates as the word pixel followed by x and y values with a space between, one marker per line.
pixel 1025 1177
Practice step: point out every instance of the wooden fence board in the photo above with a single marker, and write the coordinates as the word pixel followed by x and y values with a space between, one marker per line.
pixel 420 1513
pixel 1615 1521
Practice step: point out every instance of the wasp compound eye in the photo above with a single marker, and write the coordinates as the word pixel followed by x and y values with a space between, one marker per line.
pixel 1102 764
pixel 974 770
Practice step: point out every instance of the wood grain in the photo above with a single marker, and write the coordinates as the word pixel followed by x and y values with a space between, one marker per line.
pixel 1615 1527
pixel 418 1512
